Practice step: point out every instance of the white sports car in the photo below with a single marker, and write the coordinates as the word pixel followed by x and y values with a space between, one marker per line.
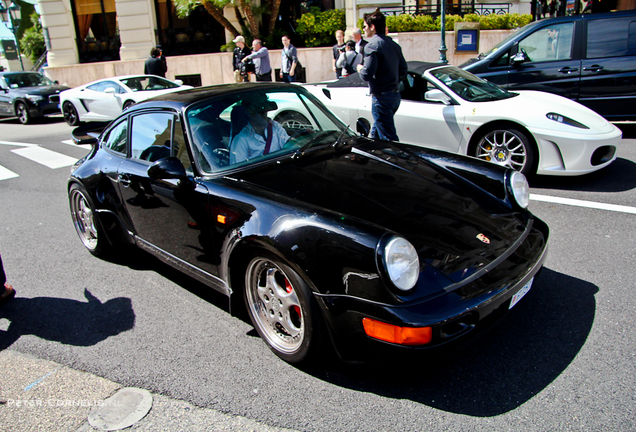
pixel 447 108
pixel 105 99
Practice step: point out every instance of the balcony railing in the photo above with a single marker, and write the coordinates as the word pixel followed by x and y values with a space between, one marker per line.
pixel 452 8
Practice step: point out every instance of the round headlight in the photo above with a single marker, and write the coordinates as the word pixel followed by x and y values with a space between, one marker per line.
pixel 520 189
pixel 402 263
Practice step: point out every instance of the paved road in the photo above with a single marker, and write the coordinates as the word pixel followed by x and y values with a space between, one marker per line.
pixel 563 359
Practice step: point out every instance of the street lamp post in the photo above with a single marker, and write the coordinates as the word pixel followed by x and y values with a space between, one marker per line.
pixel 9 19
pixel 442 48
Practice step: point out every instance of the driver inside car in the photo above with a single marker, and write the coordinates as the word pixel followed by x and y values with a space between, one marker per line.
pixel 260 135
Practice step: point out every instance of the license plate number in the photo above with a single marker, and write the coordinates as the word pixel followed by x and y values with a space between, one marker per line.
pixel 523 291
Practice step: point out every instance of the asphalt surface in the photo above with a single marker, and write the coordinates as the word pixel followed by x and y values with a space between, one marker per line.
pixel 82 329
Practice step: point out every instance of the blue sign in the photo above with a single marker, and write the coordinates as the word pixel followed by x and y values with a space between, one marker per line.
pixel 467 39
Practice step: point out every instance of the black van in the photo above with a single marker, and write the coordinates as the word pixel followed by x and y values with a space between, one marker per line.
pixel 590 58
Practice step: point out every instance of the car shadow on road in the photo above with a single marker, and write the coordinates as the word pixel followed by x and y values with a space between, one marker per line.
pixel 619 176
pixel 511 364
pixel 70 322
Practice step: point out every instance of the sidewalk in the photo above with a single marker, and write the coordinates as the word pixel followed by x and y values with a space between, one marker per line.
pixel 38 395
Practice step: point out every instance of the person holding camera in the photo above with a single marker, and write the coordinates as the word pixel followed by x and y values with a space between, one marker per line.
pixel 349 59
pixel 260 57
pixel 241 70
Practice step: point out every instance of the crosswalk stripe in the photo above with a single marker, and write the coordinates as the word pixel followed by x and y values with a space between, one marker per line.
pixel 11 143
pixel 45 157
pixel 6 173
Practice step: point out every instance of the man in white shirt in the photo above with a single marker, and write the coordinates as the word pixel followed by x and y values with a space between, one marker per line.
pixel 261 135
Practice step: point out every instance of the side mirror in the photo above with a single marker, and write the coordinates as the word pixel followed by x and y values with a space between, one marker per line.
pixel 56 82
pixel 110 90
pixel 168 168
pixel 518 58
pixel 363 127
pixel 437 96
pixel 178 82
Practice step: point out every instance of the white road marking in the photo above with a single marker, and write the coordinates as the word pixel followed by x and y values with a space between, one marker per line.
pixel 581 203
pixel 11 143
pixel 45 157
pixel 6 173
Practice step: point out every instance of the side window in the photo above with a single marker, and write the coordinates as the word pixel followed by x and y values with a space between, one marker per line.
pixel 115 140
pixel 179 148
pixel 611 37
pixel 151 135
pixel 549 43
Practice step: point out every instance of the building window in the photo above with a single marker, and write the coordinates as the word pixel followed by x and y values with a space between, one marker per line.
pixel 198 33
pixel 96 30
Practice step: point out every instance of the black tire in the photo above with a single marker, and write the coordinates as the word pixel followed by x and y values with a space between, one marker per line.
pixel 127 105
pixel 282 309
pixel 22 111
pixel 293 121
pixel 70 114
pixel 506 146
pixel 86 223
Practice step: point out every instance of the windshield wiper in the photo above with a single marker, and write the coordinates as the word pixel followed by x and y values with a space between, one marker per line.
pixel 310 143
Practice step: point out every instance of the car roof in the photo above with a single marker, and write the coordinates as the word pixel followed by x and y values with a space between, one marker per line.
pixel 187 97
pixel 355 80
pixel 19 73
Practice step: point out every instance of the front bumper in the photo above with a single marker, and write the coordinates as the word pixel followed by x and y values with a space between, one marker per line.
pixel 575 154
pixel 457 318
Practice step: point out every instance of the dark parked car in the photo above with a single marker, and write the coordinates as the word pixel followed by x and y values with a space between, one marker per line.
pixel 372 246
pixel 27 95
pixel 590 58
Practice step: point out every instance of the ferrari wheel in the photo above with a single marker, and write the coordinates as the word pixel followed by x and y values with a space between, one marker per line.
pixel 127 105
pixel 507 147
pixel 86 225
pixel 22 111
pixel 282 309
pixel 70 114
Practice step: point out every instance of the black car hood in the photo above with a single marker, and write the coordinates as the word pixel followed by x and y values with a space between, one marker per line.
pixel 455 226
pixel 39 90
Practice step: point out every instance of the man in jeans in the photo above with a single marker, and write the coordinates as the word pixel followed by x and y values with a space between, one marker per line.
pixel 260 56
pixel 384 68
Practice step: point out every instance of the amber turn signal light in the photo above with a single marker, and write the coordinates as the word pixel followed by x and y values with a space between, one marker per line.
pixel 396 334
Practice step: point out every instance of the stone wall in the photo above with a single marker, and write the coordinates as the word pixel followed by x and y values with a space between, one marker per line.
pixel 318 62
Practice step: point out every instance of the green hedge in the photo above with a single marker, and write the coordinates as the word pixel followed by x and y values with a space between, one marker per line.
pixel 319 28
pixel 422 23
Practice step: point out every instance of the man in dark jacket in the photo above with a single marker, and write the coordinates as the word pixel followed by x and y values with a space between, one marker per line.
pixel 384 68
pixel 156 64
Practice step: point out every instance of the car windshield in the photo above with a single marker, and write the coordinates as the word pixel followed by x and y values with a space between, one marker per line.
pixel 148 83
pixel 246 127
pixel 20 80
pixel 470 87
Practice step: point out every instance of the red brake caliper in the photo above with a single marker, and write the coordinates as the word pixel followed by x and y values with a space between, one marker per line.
pixel 289 290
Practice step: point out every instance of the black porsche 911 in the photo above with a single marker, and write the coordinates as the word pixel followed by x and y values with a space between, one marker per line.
pixel 374 247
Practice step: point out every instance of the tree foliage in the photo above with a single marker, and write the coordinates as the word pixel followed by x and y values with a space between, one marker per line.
pixel 32 41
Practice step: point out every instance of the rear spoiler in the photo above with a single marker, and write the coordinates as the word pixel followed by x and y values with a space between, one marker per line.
pixel 88 133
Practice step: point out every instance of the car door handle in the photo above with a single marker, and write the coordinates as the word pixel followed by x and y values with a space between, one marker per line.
pixel 124 180
pixel 568 70
pixel 593 68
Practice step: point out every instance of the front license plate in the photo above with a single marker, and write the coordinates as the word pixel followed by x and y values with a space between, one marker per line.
pixel 523 291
